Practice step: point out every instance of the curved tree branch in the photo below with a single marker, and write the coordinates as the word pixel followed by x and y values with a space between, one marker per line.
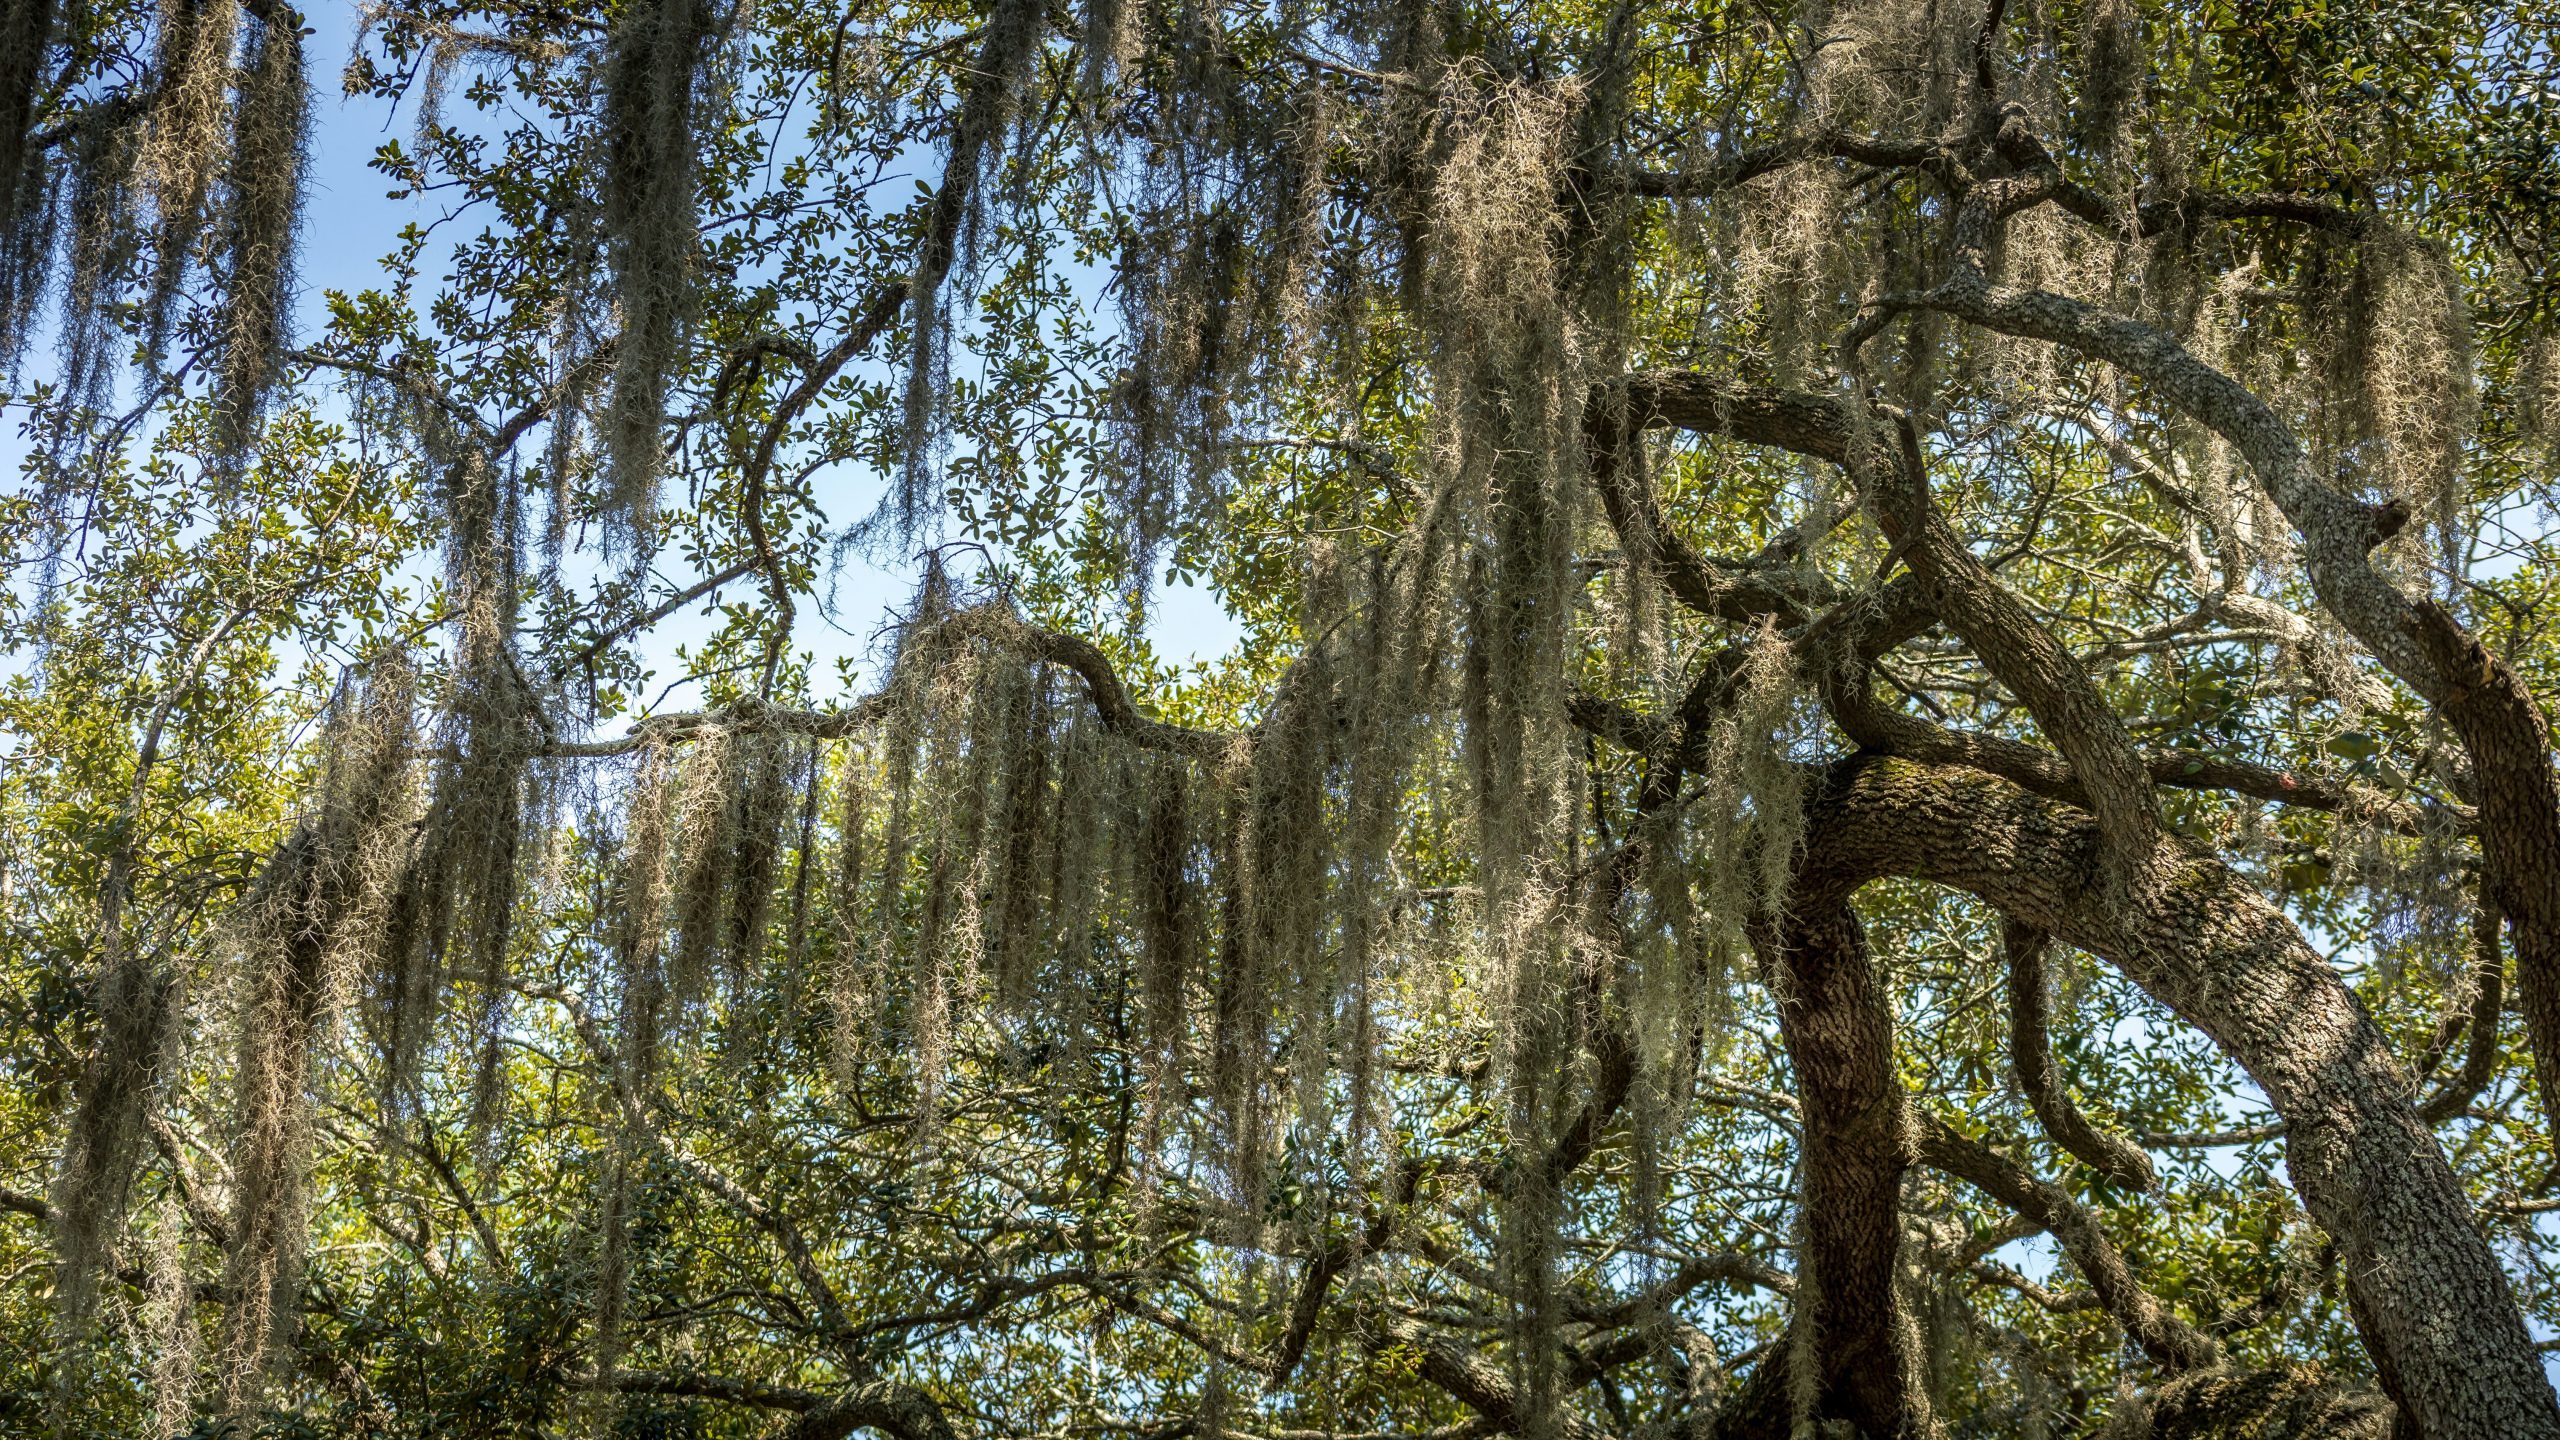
pixel 2488 997
pixel 2021 653
pixel 1111 701
pixel 2171 1342
pixel 2031 1058
pixel 2441 1321
pixel 1819 427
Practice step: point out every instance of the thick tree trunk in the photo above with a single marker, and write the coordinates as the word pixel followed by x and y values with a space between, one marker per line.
pixel 2442 1324
pixel 1849 1337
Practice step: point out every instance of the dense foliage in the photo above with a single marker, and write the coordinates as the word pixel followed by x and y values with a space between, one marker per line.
pixel 1886 769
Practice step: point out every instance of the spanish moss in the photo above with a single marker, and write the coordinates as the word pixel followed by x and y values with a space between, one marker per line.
pixel 653 80
pixel 269 149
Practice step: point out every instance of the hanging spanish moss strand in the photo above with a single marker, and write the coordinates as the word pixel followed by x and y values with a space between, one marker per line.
pixel 1510 423
pixel 314 916
pixel 1681 992
pixel 182 147
pixel 654 85
pixel 1752 811
pixel 886 936
pixel 612 1277
pixel 99 195
pixel 168 1322
pixel 1087 1037
pixel 953 227
pixel 131 1053
pixel 1019 821
pixel 638 941
pixel 882 926
pixel 852 983
pixel 932 1002
pixel 102 1148
pixel 457 910
pixel 26 37
pixel 2111 53
pixel 457 913
pixel 1179 293
pixel 1399 621
pixel 1108 30
pixel 534 875
pixel 269 155
pixel 968 699
pixel 1236 1008
pixel 29 216
pixel 640 906
pixel 1272 947
pixel 1290 857
pixel 1167 901
pixel 761 798
pixel 1090 876
pixel 808 781
pixel 2411 338
pixel 1217 258
pixel 568 456
pixel 706 827
pixel 1508 372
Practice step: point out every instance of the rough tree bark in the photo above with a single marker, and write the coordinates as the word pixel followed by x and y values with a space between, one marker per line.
pixel 2436 1310
pixel 2482 699
pixel 1851 1346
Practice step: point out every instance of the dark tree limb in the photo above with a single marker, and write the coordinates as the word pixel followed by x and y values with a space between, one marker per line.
pixel 1887 731
pixel 2031 1060
pixel 1111 702
pixel 777 1224
pixel 1820 427
pixel 2288 1402
pixel 1467 1376
pixel 643 620
pixel 1740 594
pixel 2488 998
pixel 899 1411
pixel 2171 1342
pixel 2021 653
pixel 1749 165
pixel 1328 1265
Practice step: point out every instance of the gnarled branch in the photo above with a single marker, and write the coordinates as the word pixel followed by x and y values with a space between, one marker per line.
pixel 2031 1060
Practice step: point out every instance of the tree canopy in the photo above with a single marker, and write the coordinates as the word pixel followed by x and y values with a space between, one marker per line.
pixel 1885 766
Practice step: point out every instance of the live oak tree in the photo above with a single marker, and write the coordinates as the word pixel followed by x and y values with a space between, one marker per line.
pixel 1887 770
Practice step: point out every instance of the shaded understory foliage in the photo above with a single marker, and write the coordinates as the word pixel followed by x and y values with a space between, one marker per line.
pixel 1887 769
